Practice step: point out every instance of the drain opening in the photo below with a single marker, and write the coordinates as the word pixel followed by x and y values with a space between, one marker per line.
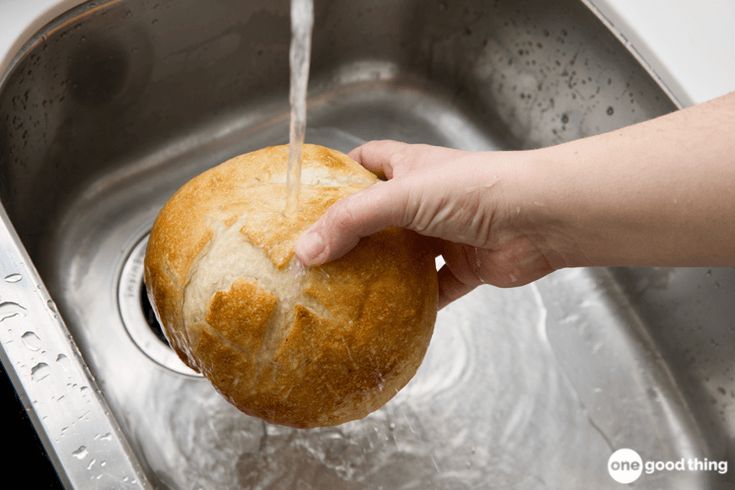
pixel 139 318
pixel 150 315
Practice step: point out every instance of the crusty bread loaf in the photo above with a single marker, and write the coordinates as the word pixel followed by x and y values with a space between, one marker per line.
pixel 304 348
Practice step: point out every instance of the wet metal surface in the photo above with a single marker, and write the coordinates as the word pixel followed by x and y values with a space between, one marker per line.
pixel 528 388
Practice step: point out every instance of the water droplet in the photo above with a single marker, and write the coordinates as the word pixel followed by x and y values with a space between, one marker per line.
pixel 40 371
pixel 103 463
pixel 13 277
pixel 81 452
pixel 51 305
pixel 392 426
pixel 106 437
pixel 91 464
pixel 31 341
pixel 8 309
pixel 61 358
pixel 610 111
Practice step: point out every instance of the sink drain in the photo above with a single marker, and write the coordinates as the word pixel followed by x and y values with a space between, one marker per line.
pixel 150 315
pixel 138 316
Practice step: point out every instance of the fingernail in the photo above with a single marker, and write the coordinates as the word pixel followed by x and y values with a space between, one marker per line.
pixel 310 247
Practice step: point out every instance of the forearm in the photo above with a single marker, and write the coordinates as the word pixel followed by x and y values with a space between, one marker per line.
pixel 658 193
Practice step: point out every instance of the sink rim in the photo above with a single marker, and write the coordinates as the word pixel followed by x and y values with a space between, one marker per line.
pixel 78 389
pixel 31 22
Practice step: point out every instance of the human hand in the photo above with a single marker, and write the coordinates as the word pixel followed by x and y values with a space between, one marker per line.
pixel 469 201
pixel 658 193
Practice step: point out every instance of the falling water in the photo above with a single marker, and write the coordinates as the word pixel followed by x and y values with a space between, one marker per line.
pixel 302 20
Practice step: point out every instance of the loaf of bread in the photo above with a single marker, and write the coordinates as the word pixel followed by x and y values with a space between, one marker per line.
pixel 304 348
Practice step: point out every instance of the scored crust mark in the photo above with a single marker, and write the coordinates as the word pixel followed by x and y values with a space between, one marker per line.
pixel 273 232
pixel 248 302
pixel 242 314
pixel 302 330
pixel 261 192
pixel 308 350
pixel 180 338
pixel 312 304
pixel 349 389
pixel 206 244
pixel 298 330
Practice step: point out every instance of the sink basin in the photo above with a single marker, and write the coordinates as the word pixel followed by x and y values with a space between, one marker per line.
pixel 112 106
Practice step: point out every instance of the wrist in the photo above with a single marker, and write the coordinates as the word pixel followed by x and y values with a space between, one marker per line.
pixel 591 213
pixel 545 214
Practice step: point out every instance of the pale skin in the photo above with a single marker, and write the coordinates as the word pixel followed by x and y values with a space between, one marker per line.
pixel 658 193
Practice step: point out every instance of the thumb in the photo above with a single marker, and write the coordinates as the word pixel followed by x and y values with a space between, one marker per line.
pixel 366 212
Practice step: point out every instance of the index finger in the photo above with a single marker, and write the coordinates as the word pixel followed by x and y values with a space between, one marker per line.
pixel 379 156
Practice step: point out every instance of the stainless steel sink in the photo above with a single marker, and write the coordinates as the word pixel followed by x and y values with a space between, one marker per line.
pixel 113 105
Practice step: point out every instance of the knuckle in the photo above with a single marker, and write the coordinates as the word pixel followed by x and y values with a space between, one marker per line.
pixel 401 165
pixel 398 159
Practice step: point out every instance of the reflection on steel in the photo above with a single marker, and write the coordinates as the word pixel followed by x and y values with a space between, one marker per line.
pixel 110 109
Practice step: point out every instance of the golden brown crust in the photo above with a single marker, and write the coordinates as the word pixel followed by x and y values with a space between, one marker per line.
pixel 337 347
pixel 241 314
